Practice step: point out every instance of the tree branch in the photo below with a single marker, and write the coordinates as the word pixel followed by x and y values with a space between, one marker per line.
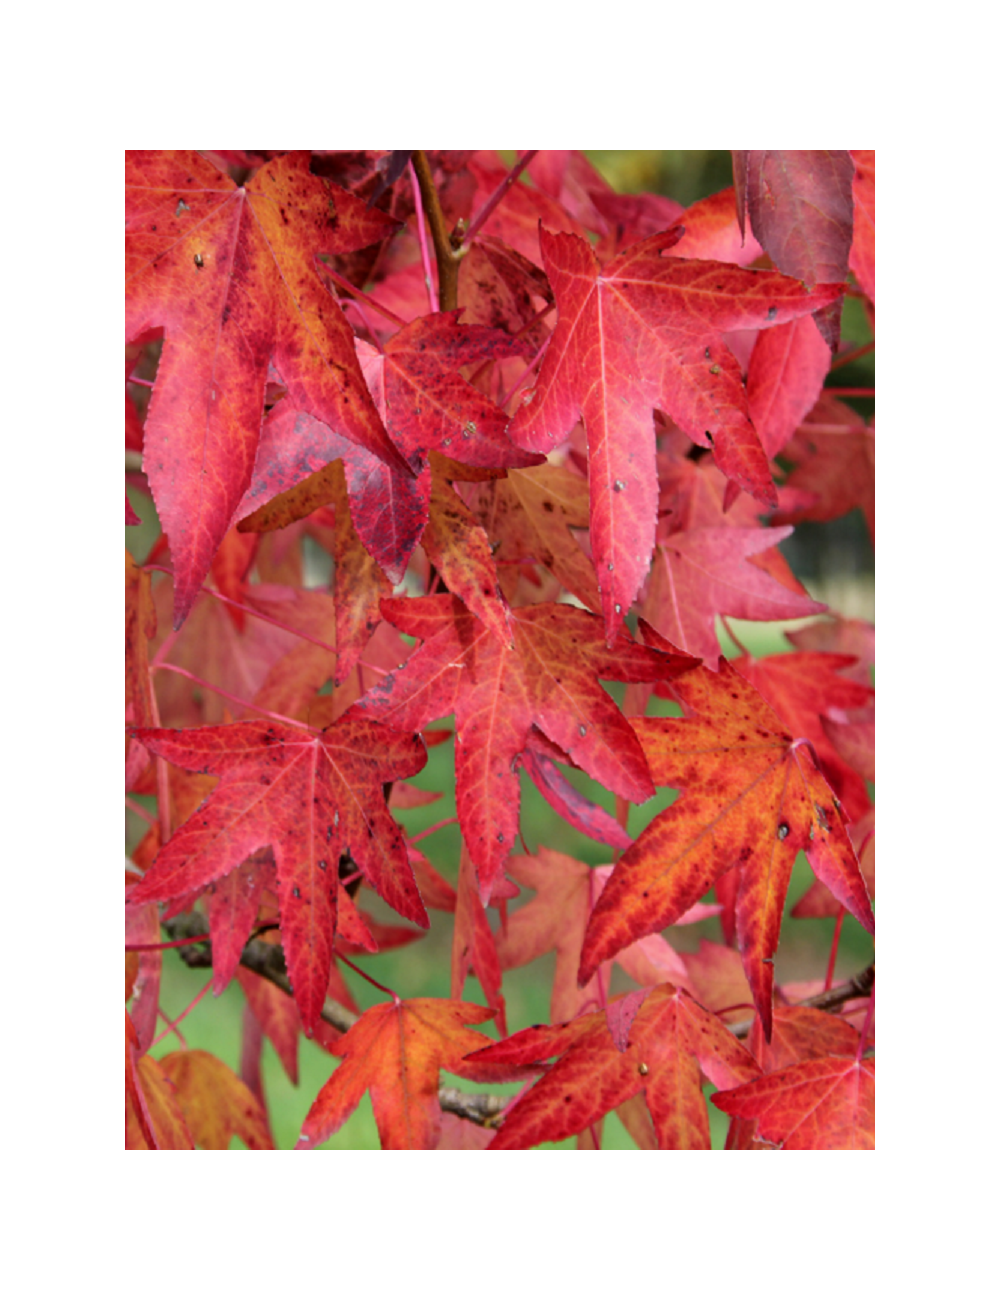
pixel 448 257
pixel 858 986
pixel 268 961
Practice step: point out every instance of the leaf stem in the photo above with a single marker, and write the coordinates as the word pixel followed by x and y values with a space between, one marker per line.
pixel 527 372
pixel 172 1024
pixel 364 975
pixel 848 357
pixel 425 256
pixel 834 946
pixel 734 638
pixel 448 821
pixel 236 699
pixel 486 211
pixel 343 283
pixel 866 1027
pixel 139 811
pixel 851 392
pixel 157 947
pixel 247 609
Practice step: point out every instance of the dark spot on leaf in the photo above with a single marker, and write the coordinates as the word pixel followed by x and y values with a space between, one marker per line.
pixel 782 830
pixel 772 313
pixel 296 892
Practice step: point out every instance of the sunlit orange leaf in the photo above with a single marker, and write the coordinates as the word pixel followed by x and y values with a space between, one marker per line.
pixel 215 1103
pixel 396 1052
pixel 752 798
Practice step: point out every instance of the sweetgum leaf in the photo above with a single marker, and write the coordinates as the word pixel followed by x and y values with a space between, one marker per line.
pixel 645 332
pixel 549 678
pixel 819 1105
pixel 699 574
pixel 228 272
pixel 556 918
pixel 216 1103
pixel 669 1038
pixel 396 1052
pixel 806 690
pixel 311 797
pixel 752 797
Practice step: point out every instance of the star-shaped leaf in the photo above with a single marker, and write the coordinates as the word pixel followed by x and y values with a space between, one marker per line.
pixel 669 1038
pixel 820 1105
pixel 752 797
pixel 396 1052
pixel 640 333
pixel 229 273
pixel 547 678
pixel 311 797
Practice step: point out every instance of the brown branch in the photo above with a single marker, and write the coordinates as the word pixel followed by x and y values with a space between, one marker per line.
pixel 448 257
pixel 858 986
pixel 268 961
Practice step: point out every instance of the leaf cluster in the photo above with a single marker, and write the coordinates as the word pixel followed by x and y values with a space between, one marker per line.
pixel 426 446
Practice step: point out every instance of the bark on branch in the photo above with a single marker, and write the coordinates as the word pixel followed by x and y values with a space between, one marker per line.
pixel 268 960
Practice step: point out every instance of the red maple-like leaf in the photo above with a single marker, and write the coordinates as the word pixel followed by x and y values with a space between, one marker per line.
pixel 548 678
pixel 699 574
pixel 396 1052
pixel 556 918
pixel 784 380
pixel 753 797
pixel 645 332
pixel 427 407
pixel 312 797
pixel 819 1105
pixel 669 1038
pixel 833 462
pixel 228 272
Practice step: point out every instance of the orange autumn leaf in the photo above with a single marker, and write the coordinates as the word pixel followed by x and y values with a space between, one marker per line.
pixel 820 1105
pixel 216 1104
pixel 669 1039
pixel 396 1052
pixel 752 798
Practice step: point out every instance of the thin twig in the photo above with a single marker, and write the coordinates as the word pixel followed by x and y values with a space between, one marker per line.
pixel 447 257
pixel 268 961
pixel 859 986
pixel 488 208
